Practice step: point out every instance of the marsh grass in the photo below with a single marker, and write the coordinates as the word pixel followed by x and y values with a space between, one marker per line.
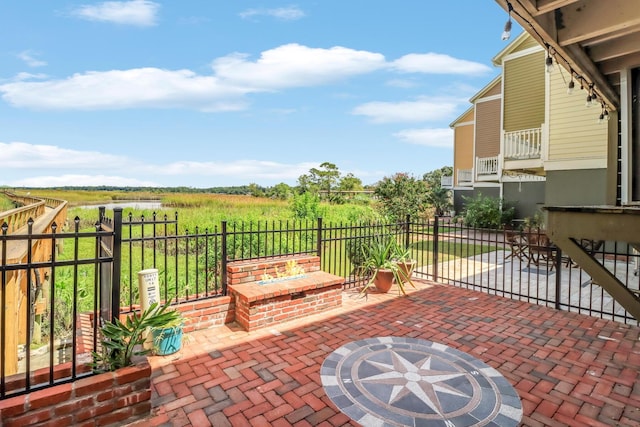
pixel 5 203
pixel 191 265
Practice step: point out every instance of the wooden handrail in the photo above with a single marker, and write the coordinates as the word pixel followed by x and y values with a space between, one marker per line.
pixel 32 208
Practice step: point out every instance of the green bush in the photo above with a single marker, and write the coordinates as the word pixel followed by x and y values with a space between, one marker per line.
pixel 401 195
pixel 487 212
pixel 306 206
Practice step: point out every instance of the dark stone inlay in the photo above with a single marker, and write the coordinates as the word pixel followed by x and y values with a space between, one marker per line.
pixel 407 381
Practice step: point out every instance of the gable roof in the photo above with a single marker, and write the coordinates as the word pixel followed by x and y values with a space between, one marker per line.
pixel 492 84
pixel 512 47
pixel 461 117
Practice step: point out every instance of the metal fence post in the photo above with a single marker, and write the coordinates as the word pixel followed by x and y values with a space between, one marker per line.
pixel 407 236
pixel 319 239
pixel 558 262
pixel 117 263
pixel 436 221
pixel 223 255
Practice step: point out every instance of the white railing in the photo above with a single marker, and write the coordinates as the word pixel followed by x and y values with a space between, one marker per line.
pixel 487 165
pixel 446 181
pixel 465 176
pixel 523 144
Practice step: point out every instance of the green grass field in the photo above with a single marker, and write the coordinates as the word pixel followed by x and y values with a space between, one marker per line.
pixel 184 271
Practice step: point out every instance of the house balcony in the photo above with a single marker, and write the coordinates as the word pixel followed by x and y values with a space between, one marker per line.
pixel 523 149
pixel 487 168
pixel 465 177
pixel 446 181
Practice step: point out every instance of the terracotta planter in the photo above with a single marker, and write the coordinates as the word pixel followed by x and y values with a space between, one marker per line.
pixel 406 268
pixel 383 280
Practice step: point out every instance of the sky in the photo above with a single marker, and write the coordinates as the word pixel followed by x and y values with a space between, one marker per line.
pixel 206 93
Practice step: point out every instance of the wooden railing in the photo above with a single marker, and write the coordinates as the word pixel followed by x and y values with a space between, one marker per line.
pixel 465 176
pixel 32 208
pixel 487 165
pixel 523 144
pixel 18 217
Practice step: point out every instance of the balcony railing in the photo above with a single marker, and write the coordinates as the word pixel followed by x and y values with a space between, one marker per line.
pixel 487 165
pixel 446 181
pixel 465 176
pixel 523 144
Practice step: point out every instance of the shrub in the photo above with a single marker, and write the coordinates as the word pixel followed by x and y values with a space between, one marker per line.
pixel 402 195
pixel 487 212
pixel 306 206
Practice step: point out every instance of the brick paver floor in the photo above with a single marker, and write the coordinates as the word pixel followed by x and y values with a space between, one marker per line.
pixel 569 369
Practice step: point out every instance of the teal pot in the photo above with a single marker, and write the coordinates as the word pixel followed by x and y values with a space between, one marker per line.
pixel 167 341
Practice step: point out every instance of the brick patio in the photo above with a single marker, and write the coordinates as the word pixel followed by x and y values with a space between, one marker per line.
pixel 568 369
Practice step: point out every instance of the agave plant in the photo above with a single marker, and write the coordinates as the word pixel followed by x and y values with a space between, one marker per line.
pixel 381 254
pixel 121 341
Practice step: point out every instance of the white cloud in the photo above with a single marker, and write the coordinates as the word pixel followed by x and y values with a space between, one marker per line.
pixel 142 13
pixel 287 66
pixel 22 76
pixel 436 63
pixel 30 59
pixel 421 110
pixel 442 137
pixel 30 159
pixel 135 88
pixel 290 13
pixel 294 65
pixel 233 77
pixel 251 170
pixel 83 180
pixel 22 155
pixel 402 83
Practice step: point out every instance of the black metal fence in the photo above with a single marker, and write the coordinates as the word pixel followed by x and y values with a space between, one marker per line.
pixel 51 290
pixel 88 275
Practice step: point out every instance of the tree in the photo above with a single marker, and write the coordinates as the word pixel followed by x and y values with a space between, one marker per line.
pixel 255 190
pixel 350 182
pixel 304 184
pixel 280 191
pixel 325 177
pixel 438 197
pixel 402 195
pixel 433 178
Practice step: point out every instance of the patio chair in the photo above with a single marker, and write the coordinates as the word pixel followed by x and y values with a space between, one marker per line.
pixel 540 249
pixel 517 244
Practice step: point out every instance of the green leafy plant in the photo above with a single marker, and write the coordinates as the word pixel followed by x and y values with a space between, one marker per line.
pixel 380 255
pixel 487 212
pixel 121 341
pixel 401 195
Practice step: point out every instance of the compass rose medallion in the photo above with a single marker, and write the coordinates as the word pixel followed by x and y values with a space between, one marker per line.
pixel 395 381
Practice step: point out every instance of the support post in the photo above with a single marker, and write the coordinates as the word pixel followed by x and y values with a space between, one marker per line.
pixel 436 222
pixel 117 262
pixel 223 255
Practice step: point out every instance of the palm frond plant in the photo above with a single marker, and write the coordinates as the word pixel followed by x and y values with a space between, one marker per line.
pixel 382 267
pixel 121 341
pixel 402 257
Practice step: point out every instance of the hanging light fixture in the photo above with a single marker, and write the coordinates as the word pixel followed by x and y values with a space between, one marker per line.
pixel 549 61
pixel 571 85
pixel 590 97
pixel 506 34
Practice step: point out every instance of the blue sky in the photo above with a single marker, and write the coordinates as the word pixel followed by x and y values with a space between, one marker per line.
pixel 204 93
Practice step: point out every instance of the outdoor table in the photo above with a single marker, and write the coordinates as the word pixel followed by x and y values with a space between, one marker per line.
pixel 398 381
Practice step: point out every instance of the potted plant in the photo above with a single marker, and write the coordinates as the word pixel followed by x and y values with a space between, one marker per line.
pixel 402 257
pixel 121 341
pixel 380 264
pixel 167 338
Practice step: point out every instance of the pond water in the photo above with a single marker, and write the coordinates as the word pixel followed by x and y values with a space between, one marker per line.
pixel 134 204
